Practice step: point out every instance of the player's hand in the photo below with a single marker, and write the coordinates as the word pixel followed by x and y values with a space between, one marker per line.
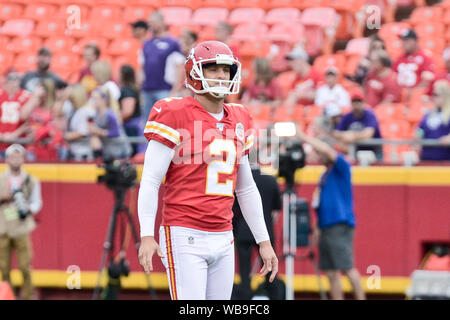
pixel 269 259
pixel 147 249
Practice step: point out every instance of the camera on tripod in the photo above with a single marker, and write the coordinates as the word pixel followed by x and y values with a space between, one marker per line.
pixel 120 174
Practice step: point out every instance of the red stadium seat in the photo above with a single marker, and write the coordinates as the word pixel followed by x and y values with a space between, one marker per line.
pixel 193 4
pixel 325 61
pixel 254 49
pixel 261 112
pixel 49 28
pixel 435 45
pixel 312 112
pixel 24 44
pixel 10 11
pixel 105 12
pixel 289 113
pixel 392 30
pixel 395 129
pixel 351 63
pixel 37 12
pixel 17 27
pixel 292 32
pixel 209 16
pixel 274 4
pixel 358 46
pixel 87 29
pixel 391 111
pixel 176 15
pixel 245 15
pixel 123 46
pixel 64 64
pixel 25 62
pixel 217 4
pixel 249 32
pixel 427 30
pixel 282 15
pixel 250 4
pixel 422 14
pixel 207 33
pixel 6 61
pixel 60 44
pixel 134 13
pixel 119 3
pixel 67 10
pixel 112 29
pixel 285 80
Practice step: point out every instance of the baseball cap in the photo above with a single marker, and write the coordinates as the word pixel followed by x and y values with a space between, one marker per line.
pixel 408 34
pixel 15 148
pixel 297 53
pixel 139 24
pixel 357 94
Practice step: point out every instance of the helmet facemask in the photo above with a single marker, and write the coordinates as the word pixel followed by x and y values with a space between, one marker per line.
pixel 225 87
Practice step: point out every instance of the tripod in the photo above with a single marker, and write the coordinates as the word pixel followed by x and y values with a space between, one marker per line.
pixel 290 213
pixel 108 246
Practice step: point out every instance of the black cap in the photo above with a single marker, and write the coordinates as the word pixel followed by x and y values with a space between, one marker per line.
pixel 139 24
pixel 408 34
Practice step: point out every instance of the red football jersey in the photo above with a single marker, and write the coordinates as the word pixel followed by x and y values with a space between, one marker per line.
pixel 202 176
pixel 409 68
pixel 10 107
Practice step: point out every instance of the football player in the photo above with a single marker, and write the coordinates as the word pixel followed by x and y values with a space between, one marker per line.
pixel 201 145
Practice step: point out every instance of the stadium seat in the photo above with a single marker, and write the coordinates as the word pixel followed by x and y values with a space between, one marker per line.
pixel 359 46
pixel 262 4
pixel 307 4
pixel 274 4
pixel 112 29
pixel 117 62
pixel 6 61
pixel 285 80
pixel 427 13
pixel 87 29
pixel 193 4
pixel 24 44
pixel 289 113
pixel 392 30
pixel 154 4
pixel 261 112
pixel 435 45
pixel 320 27
pixel 216 4
pixel 249 32
pixel 65 11
pixel 325 61
pixel 10 11
pixel 25 62
pixel 207 33
pixel 311 113
pixel 37 12
pixel 123 47
pixel 427 30
pixel 245 15
pixel 348 11
pixel 60 44
pixel 119 3
pixel 49 28
pixel 209 16
pixel 282 15
pixel 134 13
pixel 395 129
pixel 390 111
pixel 254 49
pixel 105 12
pixel 292 33
pixel 176 15
pixel 65 64
pixel 351 63
pixel 17 27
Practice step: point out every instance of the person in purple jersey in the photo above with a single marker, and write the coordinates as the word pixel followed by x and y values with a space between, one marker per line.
pixel 436 124
pixel 161 55
pixel 360 124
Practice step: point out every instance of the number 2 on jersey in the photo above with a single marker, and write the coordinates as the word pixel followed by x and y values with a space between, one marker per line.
pixel 213 186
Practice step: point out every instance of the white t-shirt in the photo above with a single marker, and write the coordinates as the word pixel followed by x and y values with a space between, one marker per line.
pixel 337 94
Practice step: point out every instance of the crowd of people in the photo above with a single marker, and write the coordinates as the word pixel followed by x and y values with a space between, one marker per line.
pixel 92 118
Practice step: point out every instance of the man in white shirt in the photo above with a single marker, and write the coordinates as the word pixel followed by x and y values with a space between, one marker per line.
pixel 332 91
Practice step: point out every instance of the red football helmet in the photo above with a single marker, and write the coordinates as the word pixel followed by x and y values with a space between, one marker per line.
pixel 212 52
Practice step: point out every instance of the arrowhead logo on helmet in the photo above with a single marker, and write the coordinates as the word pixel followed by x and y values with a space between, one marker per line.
pixel 208 52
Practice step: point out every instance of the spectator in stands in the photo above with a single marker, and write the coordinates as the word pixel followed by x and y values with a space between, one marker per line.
pixel 307 79
pixel 381 83
pixel 436 124
pixel 106 134
pixel 103 75
pixel 444 73
pixel 130 108
pixel 78 112
pixel 323 126
pixel 187 40
pixel 360 124
pixel 16 217
pixel 140 33
pixel 362 70
pixel 223 32
pixel 334 230
pixel 31 80
pixel 91 54
pixel 161 55
pixel 16 105
pixel 332 91
pixel 414 67
pixel 264 88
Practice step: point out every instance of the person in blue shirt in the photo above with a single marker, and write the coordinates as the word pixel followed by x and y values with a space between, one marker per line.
pixel 333 201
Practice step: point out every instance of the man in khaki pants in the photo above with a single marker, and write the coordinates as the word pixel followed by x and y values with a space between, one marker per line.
pixel 20 199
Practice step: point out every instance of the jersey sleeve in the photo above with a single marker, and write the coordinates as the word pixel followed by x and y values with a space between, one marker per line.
pixel 162 125
pixel 249 134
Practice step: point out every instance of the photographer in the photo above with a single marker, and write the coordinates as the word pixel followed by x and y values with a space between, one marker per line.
pixel 20 199
pixel 333 201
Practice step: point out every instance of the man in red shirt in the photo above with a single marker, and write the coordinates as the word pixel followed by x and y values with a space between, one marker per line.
pixel 200 144
pixel 16 106
pixel 414 68
pixel 307 79
pixel 381 83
